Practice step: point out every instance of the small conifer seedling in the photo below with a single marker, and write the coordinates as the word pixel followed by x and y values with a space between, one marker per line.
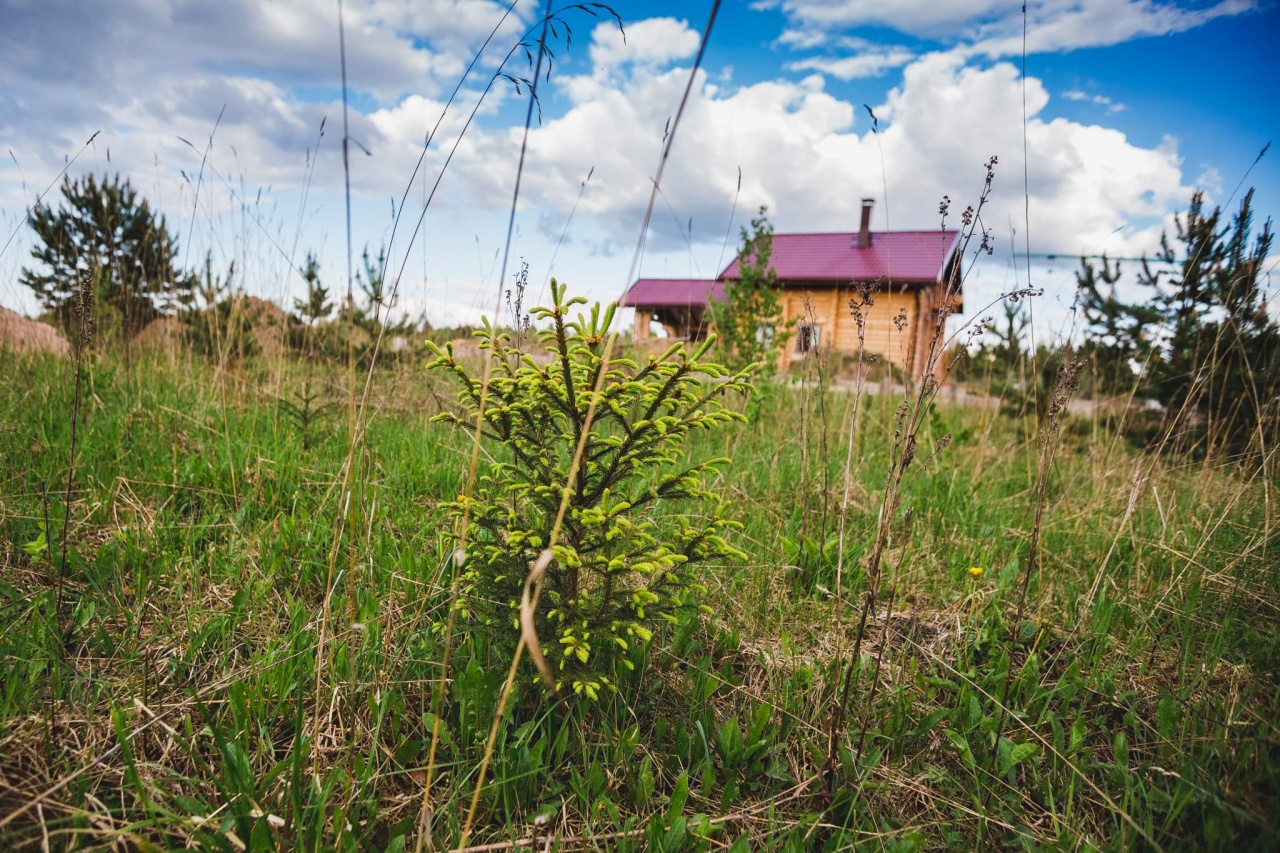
pixel 639 517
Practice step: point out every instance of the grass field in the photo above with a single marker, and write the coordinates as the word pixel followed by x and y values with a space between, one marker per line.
pixel 236 657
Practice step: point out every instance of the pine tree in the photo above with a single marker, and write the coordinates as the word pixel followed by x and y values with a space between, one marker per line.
pixel 1007 349
pixel 1212 346
pixel 1221 354
pixel 316 307
pixel 748 320
pixel 1120 336
pixel 105 228
pixel 369 284
pixel 309 312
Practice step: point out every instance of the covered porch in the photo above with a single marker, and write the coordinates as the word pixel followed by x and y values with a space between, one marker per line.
pixel 677 306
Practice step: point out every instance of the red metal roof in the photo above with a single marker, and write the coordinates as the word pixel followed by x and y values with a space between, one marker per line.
pixel 905 257
pixel 672 292
pixel 902 256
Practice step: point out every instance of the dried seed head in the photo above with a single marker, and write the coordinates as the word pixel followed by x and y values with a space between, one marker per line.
pixel 864 296
pixel 84 309
pixel 1066 383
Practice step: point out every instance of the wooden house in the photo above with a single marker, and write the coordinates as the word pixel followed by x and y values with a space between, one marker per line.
pixel 819 274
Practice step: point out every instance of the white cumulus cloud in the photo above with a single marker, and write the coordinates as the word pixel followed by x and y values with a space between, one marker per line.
pixel 653 41
pixel 867 63
pixel 994 28
pixel 1100 100
pixel 812 156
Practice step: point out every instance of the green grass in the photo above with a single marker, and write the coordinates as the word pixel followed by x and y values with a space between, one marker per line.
pixel 173 701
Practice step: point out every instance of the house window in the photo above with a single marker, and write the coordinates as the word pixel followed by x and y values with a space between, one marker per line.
pixel 764 334
pixel 808 337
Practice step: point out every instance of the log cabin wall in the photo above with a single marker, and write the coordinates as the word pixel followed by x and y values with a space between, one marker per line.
pixel 905 348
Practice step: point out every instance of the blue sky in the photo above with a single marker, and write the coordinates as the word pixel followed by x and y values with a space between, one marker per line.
pixel 1131 105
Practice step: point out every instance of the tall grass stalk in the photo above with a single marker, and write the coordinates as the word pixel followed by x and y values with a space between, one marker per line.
pixel 343 527
pixel 431 135
pixel 83 343
pixel 571 477
pixel 858 306
pixel 909 418
pixel 472 467
pixel 564 232
pixel 66 167
pixel 1065 384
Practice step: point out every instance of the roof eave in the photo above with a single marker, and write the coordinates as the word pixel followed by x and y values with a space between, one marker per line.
pixel 946 258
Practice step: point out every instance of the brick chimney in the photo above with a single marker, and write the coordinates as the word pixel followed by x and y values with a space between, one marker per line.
pixel 864 231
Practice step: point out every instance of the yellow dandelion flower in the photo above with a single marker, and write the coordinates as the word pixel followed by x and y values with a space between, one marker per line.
pixel 976 571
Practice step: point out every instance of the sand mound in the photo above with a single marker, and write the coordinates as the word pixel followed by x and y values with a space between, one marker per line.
pixel 260 310
pixel 163 335
pixel 265 319
pixel 268 321
pixel 20 334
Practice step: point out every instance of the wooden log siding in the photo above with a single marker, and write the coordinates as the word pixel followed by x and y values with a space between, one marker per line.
pixel 906 349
